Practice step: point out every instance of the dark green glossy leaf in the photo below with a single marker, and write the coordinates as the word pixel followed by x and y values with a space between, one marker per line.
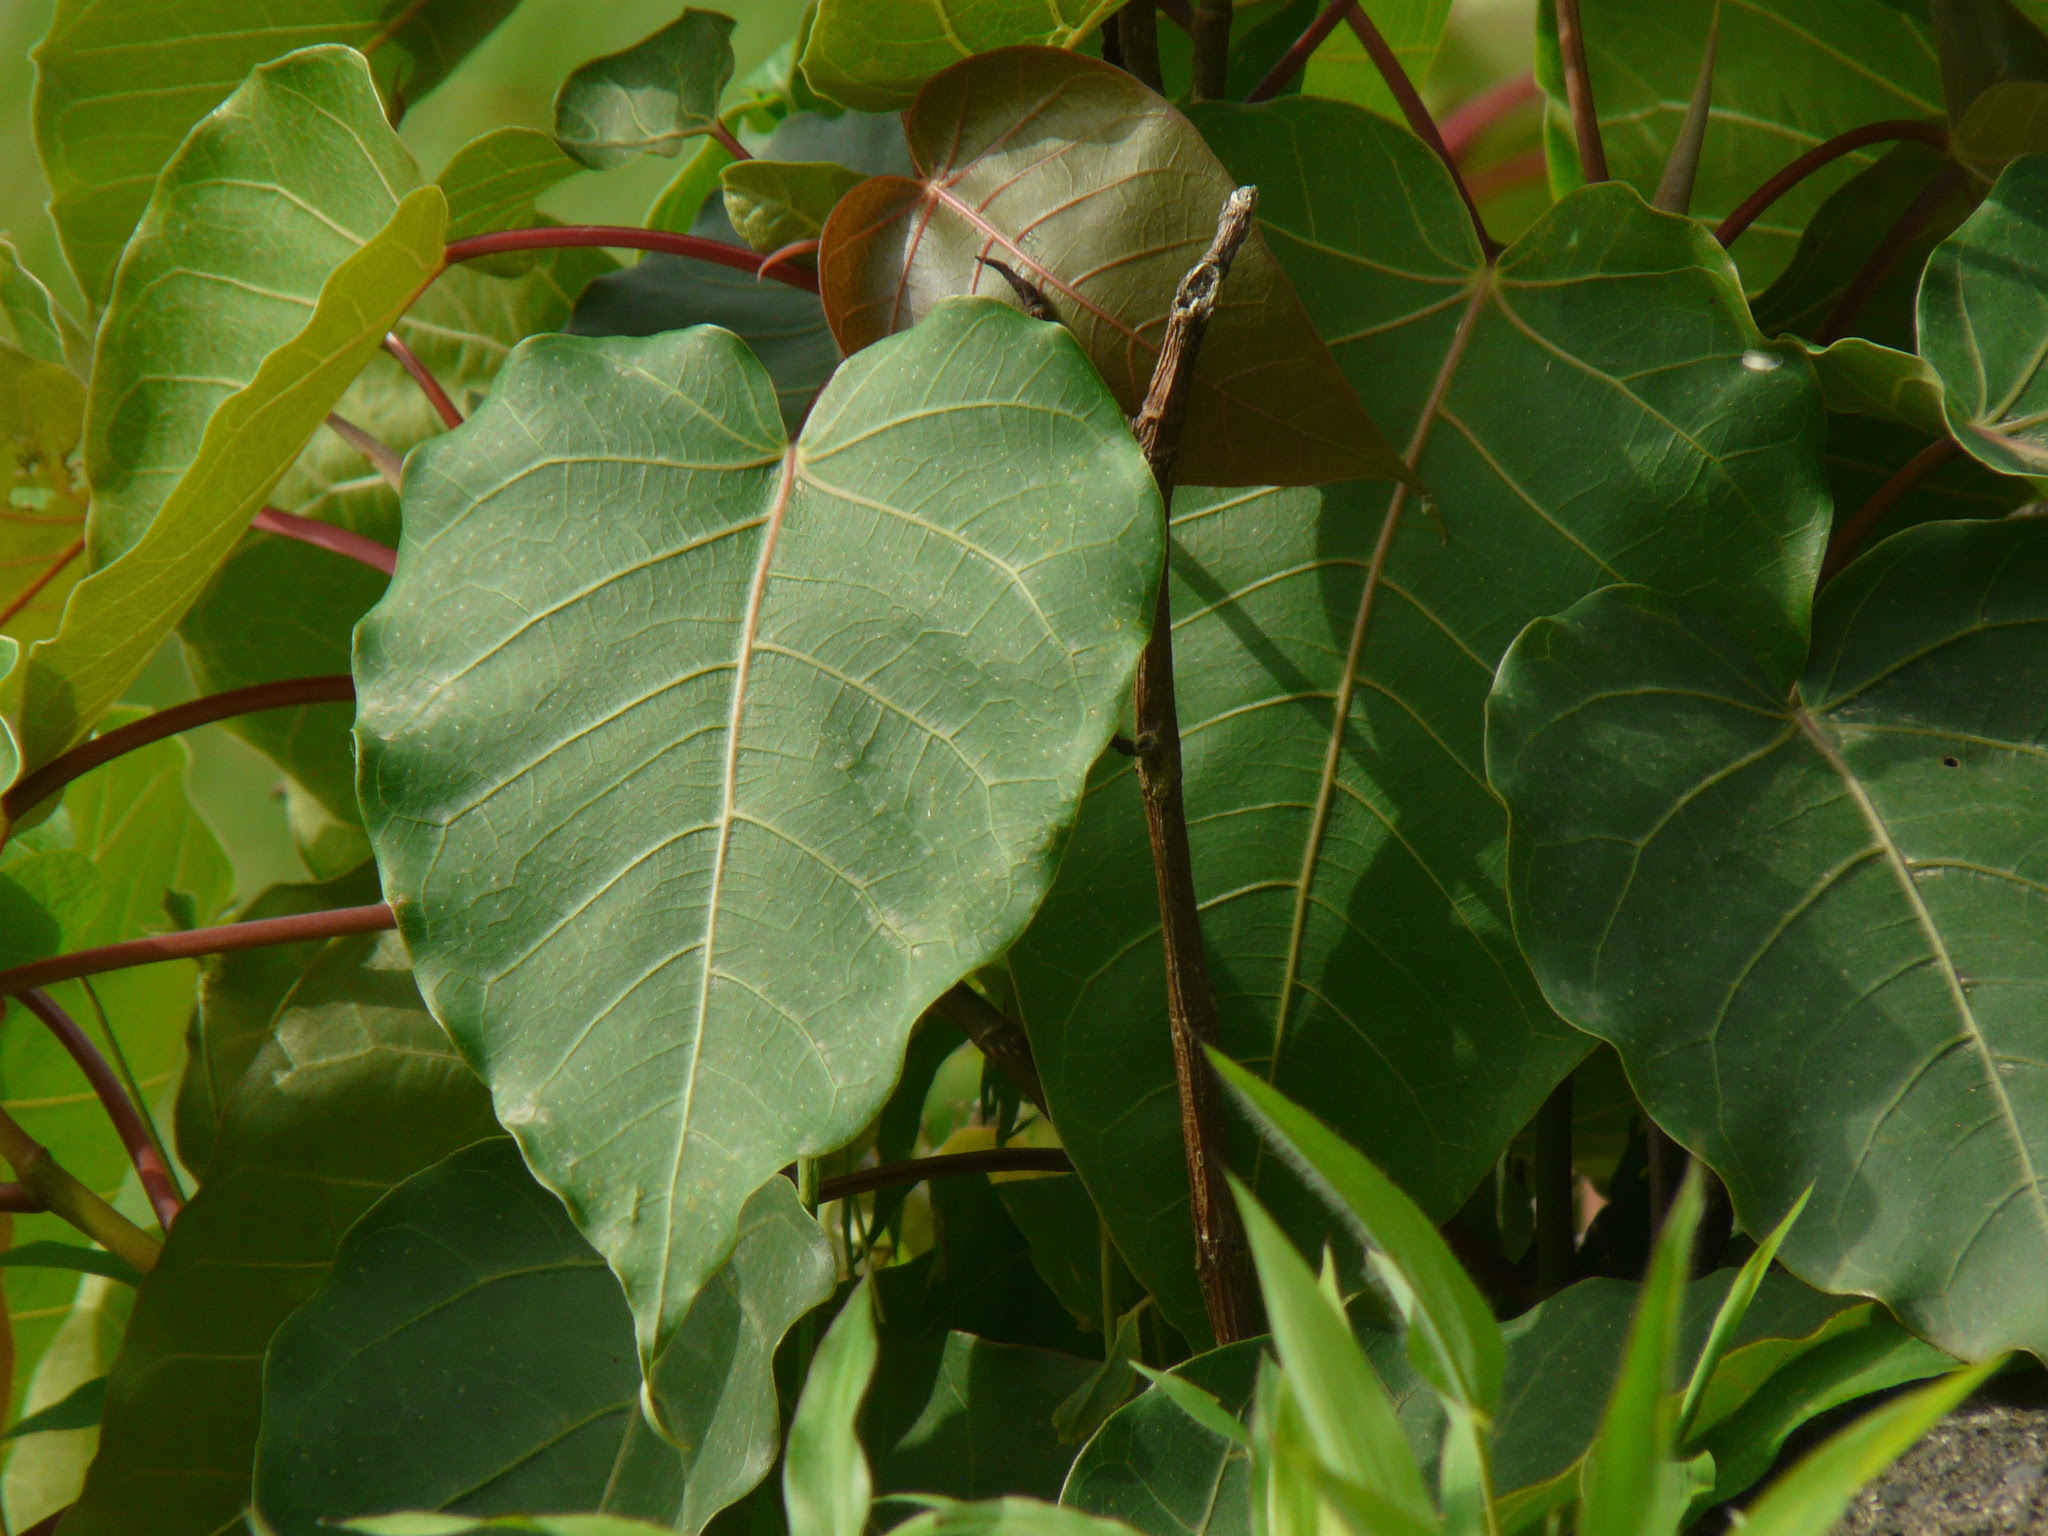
pixel 1864 378
pixel 651 98
pixel 1154 1467
pixel 1789 74
pixel 1984 43
pixel 1864 453
pixel 967 1417
pixel 874 54
pixel 1346 850
pixel 1981 313
pixel 238 997
pixel 773 203
pixel 2007 121
pixel 1826 292
pixel 465 1311
pixel 220 355
pixel 846 633
pixel 1081 1413
pixel 1341 68
pixel 120 82
pixel 1000 143
pixel 1058 1220
pixel 357 1090
pixel 79 1409
pixel 1866 850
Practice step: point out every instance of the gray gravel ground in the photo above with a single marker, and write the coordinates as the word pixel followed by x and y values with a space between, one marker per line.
pixel 1981 1472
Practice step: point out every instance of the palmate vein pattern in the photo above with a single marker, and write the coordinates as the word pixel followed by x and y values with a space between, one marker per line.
pixel 1334 647
pixel 699 763
pixel 1812 928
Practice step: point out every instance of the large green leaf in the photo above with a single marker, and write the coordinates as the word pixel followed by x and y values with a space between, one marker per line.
pixel 1001 143
pixel 874 54
pixel 1155 1467
pixel 120 82
pixel 357 1090
pixel 833 698
pixel 1335 649
pixel 278 608
pixel 42 413
pixel 220 355
pixel 1981 317
pixel 1697 857
pixel 1341 68
pixel 1788 74
pixel 466 1300
pixel 651 98
pixel 491 184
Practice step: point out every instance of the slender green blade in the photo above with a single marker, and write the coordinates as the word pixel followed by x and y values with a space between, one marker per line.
pixel 826 1484
pixel 78 1409
pixel 1629 1464
pixel 1453 1338
pixel 119 83
pixel 1198 1405
pixel 1348 1414
pixel 357 1090
pixel 1696 857
pixel 46 1253
pixel 1729 1318
pixel 1812 1496
pixel 829 699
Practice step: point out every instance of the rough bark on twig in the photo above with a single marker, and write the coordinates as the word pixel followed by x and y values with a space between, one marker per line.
pixel 1221 1255
pixel 996 1035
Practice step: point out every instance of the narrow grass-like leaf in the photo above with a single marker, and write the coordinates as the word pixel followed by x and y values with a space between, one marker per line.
pixel 45 1253
pixel 79 1409
pixel 826 1485
pixel 1197 1404
pixel 1729 1318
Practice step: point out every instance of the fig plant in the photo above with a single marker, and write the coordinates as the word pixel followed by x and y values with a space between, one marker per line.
pixel 1113 644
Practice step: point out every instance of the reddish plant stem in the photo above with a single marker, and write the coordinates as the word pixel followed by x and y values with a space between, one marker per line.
pixel 19 1200
pixel 1179 12
pixel 1578 92
pixel 37 787
pixel 1889 250
pixel 1295 59
pixel 383 458
pixel 730 144
pixel 1751 207
pixel 1519 171
pixel 782 253
pixel 954 1164
pixel 996 1035
pixel 196 942
pixel 430 386
pixel 1210 33
pixel 1419 121
pixel 624 237
pixel 121 1110
pixel 1842 547
pixel 1137 35
pixel 1469 119
pixel 339 541
pixel 1222 1255
pixel 49 574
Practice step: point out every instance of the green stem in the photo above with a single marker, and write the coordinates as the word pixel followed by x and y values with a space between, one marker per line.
pixel 65 1196
pixel 1137 35
pixel 1553 1181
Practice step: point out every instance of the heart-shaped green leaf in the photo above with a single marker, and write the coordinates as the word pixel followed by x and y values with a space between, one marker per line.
pixel 357 1090
pixel 468 1285
pixel 874 54
pixel 1983 306
pixel 1334 649
pixel 830 699
pixel 1788 74
pixel 1001 144
pixel 1697 859
pixel 649 99
pixel 119 83
pixel 220 355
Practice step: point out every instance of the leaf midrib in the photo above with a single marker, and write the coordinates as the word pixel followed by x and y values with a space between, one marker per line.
pixel 1902 872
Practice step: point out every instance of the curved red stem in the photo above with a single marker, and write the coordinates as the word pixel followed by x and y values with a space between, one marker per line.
pixel 88 755
pixel 16 1200
pixel 1889 250
pixel 339 541
pixel 49 574
pixel 1751 207
pixel 1578 92
pixel 113 1097
pixel 561 236
pixel 195 942
pixel 430 386
pixel 1296 57
pixel 1842 547
pixel 1463 124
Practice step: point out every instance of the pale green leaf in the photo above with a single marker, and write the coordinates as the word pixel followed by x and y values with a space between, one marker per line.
pixel 923 617
pixel 651 98
pixel 1008 1517
pixel 491 184
pixel 2006 121
pixel 29 318
pixel 826 1486
pixel 773 203
pixel 1865 379
pixel 356 1091
pixel 874 54
pixel 119 83
pixel 1812 1496
pixel 1341 68
pixel 1697 855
